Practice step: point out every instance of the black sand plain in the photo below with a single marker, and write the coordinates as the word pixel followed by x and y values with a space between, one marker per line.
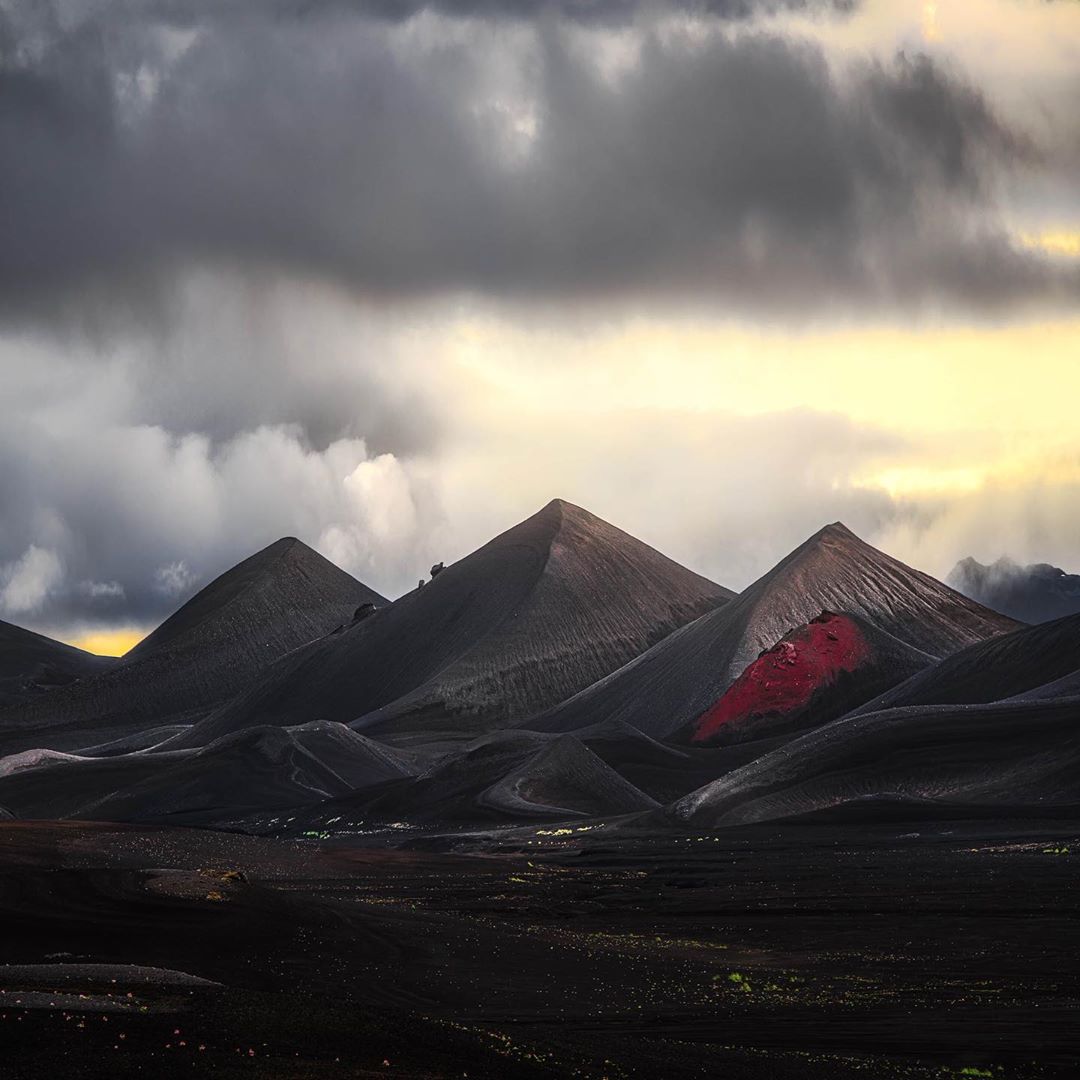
pixel 810 951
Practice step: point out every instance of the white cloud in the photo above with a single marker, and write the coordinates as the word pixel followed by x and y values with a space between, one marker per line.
pixel 101 590
pixel 173 579
pixel 30 580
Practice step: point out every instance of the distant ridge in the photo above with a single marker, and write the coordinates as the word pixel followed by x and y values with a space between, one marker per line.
pixel 32 663
pixel 1034 594
pixel 676 681
pixel 267 605
pixel 541 611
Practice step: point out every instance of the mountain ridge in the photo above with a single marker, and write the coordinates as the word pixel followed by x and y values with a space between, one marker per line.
pixel 536 613
pixel 678 679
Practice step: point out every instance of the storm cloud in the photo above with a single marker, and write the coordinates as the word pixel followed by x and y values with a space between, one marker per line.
pixel 508 156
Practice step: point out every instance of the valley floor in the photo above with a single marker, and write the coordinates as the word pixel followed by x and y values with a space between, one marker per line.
pixel 805 952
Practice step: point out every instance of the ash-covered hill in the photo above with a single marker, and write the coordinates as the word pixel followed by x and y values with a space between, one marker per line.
pixel 677 681
pixel 533 616
pixel 212 647
pixel 1033 594
pixel 31 663
pixel 1003 667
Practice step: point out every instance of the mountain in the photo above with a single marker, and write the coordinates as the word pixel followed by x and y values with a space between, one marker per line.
pixel 1033 594
pixel 814 674
pixel 266 606
pixel 678 680
pixel 1003 667
pixel 533 616
pixel 32 664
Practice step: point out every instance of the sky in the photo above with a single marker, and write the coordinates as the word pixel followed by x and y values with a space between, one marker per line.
pixel 389 276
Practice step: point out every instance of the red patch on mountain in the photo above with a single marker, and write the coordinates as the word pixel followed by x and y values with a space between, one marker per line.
pixel 785 678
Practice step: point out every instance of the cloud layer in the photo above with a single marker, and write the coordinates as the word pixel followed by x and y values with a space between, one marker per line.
pixel 506 154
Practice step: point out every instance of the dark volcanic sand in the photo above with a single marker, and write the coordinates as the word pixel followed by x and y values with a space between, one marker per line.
pixel 757 953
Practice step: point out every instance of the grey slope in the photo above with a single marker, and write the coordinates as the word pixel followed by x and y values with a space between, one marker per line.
pixel 675 681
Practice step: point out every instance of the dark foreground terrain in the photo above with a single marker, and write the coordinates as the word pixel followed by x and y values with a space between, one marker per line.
pixel 806 952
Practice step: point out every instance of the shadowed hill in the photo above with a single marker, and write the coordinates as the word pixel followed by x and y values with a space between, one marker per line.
pixel 1002 759
pixel 564 780
pixel 31 663
pixel 209 649
pixel 533 616
pixel 257 769
pixel 455 789
pixel 1003 667
pixel 678 680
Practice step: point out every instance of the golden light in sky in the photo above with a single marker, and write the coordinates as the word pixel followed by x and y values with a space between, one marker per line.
pixel 108 642
pixel 1061 242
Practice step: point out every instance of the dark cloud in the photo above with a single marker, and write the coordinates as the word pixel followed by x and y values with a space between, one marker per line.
pixel 742 167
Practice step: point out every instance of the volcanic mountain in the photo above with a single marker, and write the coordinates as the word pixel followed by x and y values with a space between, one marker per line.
pixel 684 676
pixel 1033 594
pixel 31 663
pixel 535 615
pixel 209 649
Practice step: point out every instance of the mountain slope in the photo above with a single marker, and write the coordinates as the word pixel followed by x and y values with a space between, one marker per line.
pixel 812 675
pixel 1002 667
pixel 1001 759
pixel 675 682
pixel 533 616
pixel 208 650
pixel 1031 594
pixel 31 663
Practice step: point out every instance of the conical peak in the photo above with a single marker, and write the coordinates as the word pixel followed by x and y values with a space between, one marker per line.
pixel 564 511
pixel 836 531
